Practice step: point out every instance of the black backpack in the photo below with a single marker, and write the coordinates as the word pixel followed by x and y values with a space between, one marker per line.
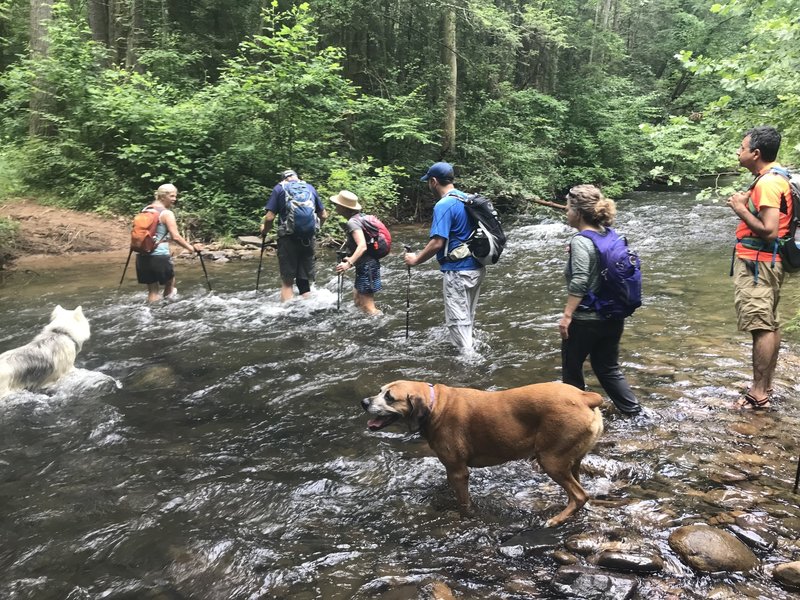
pixel 487 240
pixel 790 253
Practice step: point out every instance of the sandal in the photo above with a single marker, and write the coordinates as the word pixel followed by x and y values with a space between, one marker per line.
pixel 750 402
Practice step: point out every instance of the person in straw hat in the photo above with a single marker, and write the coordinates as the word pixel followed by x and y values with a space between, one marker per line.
pixel 368 267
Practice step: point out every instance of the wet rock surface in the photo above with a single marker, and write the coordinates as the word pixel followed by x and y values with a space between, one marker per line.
pixel 710 550
pixel 530 542
pixel 788 575
pixel 593 584
pixel 633 563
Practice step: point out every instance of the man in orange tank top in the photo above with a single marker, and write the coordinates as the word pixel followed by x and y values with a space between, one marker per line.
pixel 764 212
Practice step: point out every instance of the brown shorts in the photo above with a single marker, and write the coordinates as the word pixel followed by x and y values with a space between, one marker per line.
pixel 756 303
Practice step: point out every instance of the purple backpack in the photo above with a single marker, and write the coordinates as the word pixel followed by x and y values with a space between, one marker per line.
pixel 620 291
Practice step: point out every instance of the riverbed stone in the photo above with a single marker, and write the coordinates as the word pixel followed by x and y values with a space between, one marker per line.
pixel 630 562
pixel 788 575
pixel 710 550
pixel 564 558
pixel 761 541
pixel 530 542
pixel 592 543
pixel 436 590
pixel 593 584
pixel 250 240
pixel 727 476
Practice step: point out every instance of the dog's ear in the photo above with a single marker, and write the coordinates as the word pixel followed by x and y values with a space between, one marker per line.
pixel 78 313
pixel 418 412
pixel 56 311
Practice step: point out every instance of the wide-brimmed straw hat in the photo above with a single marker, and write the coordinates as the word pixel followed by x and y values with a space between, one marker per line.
pixel 346 199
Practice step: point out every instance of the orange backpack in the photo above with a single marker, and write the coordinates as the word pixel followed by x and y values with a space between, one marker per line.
pixel 143 233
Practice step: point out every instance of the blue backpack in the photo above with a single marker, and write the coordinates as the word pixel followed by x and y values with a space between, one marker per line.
pixel 620 291
pixel 300 215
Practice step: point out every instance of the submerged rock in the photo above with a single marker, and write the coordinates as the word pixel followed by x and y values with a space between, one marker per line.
pixel 529 542
pixel 436 591
pixel 633 563
pixel 593 584
pixel 758 540
pixel 710 550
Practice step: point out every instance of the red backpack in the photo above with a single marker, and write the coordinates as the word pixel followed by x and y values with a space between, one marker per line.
pixel 379 240
pixel 143 232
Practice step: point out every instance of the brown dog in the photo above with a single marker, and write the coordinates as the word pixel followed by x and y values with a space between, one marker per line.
pixel 555 423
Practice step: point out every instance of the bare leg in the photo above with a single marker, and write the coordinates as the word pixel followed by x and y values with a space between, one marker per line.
pixel 287 291
pixel 766 345
pixel 366 302
pixel 776 341
pixel 153 292
pixel 169 287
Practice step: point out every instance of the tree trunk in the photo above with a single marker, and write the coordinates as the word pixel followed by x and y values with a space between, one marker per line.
pixel 449 59
pixel 40 15
pixel 135 34
pixel 97 11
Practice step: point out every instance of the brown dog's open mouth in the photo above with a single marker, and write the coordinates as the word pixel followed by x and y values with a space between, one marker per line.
pixel 381 422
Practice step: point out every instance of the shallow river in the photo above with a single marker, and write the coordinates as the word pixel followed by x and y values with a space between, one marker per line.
pixel 214 447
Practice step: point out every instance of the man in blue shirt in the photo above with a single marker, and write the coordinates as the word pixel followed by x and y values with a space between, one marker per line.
pixel 298 225
pixel 462 273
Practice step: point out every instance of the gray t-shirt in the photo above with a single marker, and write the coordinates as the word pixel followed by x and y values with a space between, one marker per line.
pixel 584 275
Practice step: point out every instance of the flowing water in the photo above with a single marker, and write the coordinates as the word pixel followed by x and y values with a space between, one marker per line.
pixel 213 447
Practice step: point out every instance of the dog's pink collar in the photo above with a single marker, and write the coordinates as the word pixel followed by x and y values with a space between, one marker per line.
pixel 433 397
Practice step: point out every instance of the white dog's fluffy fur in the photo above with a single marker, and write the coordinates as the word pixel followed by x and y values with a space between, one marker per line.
pixel 50 355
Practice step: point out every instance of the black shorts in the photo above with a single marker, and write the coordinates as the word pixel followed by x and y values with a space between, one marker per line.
pixel 154 268
pixel 295 258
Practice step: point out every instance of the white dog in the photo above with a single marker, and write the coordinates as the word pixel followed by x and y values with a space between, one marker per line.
pixel 50 355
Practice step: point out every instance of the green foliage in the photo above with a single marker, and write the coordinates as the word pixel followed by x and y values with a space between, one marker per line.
pixel 9 231
pixel 119 134
pixel 376 187
pixel 349 93
pixel 755 83
pixel 515 140
pixel 684 147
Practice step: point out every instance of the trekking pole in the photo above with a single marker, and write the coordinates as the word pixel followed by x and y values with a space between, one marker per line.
pixel 203 264
pixel 408 291
pixel 125 270
pixel 797 477
pixel 261 260
pixel 340 254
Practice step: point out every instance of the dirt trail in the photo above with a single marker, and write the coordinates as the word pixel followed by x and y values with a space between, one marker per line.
pixel 47 233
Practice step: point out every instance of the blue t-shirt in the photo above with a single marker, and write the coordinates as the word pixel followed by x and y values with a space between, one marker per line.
pixel 451 222
pixel 277 200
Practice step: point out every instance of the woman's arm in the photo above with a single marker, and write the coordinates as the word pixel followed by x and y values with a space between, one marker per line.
pixel 361 247
pixel 168 219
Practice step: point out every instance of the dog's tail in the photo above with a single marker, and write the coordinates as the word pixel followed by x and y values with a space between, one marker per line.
pixel 592 400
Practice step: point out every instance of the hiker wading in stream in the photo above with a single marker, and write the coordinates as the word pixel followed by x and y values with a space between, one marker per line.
pixel 462 273
pixel 301 215
pixel 764 211
pixel 156 268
